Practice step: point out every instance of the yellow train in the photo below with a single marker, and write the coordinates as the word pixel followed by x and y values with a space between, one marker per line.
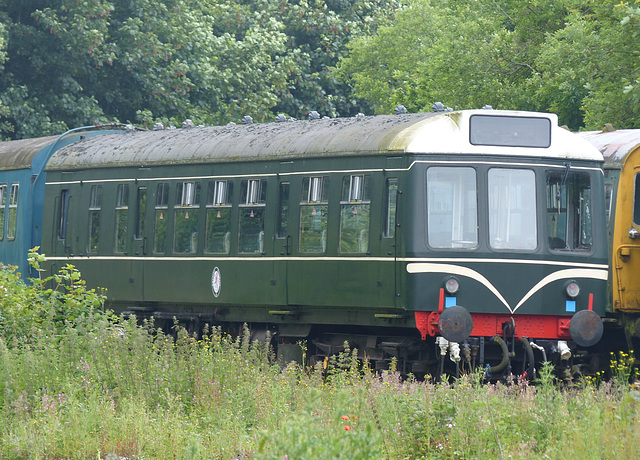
pixel 621 152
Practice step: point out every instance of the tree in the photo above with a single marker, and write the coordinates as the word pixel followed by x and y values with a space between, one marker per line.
pixel 578 58
pixel 592 66
pixel 73 63
pixel 3 57
pixel 465 53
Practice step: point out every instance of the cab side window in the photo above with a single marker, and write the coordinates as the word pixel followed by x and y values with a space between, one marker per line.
pixel 569 226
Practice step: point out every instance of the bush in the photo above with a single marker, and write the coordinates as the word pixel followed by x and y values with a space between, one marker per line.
pixel 44 303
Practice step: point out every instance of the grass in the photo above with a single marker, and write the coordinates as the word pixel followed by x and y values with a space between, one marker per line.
pixel 97 388
pixel 100 387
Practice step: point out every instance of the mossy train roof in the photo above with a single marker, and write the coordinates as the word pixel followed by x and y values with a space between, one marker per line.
pixel 20 154
pixel 382 134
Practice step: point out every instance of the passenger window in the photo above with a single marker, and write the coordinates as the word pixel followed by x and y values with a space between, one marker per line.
pixel 354 214
pixel 162 208
pixel 122 215
pixel 452 207
pixel 186 213
pixel 283 215
pixel 512 209
pixel 219 199
pixel 253 195
pixel 314 207
pixel 12 222
pixel 569 211
pixel 391 198
pixel 64 210
pixel 95 206
pixel 3 203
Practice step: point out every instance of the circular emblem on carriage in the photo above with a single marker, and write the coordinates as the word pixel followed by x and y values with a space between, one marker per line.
pixel 216 282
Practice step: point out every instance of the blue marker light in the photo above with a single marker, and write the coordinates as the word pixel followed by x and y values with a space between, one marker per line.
pixel 571 305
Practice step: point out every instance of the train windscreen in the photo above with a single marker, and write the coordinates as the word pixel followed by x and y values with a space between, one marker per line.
pixel 510 131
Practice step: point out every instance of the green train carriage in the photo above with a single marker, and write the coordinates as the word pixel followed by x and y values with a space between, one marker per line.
pixel 477 226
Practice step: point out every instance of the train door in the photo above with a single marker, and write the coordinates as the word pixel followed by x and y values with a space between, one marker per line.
pixel 125 269
pixel 389 241
pixel 626 241
pixel 61 237
pixel 283 247
pixel 390 247
pixel 139 244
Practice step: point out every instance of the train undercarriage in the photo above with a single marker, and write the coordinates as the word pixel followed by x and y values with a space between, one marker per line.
pixel 499 358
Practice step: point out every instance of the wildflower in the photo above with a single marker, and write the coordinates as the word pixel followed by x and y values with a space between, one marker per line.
pixel 345 417
pixel 347 428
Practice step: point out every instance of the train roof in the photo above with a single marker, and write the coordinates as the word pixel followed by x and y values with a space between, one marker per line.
pixel 614 145
pixel 20 154
pixel 437 132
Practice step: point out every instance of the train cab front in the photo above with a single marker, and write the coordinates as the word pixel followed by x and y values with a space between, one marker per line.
pixel 506 249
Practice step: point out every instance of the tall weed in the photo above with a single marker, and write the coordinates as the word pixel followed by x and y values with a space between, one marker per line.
pixel 91 385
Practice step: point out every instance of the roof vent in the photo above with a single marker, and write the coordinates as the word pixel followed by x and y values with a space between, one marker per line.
pixel 158 127
pixel 608 128
pixel 129 128
pixel 400 109
pixel 231 123
pixel 439 107
pixel 247 120
pixel 359 116
pixel 187 123
pixel 313 115
pixel 281 117
pixel 487 107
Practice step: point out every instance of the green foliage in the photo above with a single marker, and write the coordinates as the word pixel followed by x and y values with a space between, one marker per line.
pixel 309 434
pixel 574 57
pixel 592 65
pixel 45 304
pixel 464 53
pixel 103 389
pixel 622 367
pixel 75 63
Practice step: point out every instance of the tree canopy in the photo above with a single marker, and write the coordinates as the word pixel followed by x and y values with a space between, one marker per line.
pixel 68 63
pixel 71 63
pixel 578 58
